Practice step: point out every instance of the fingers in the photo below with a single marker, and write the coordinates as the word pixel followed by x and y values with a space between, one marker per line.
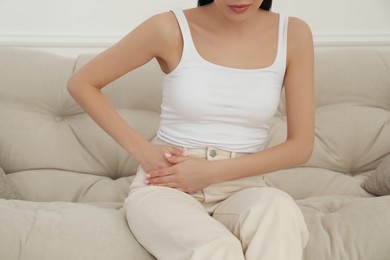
pixel 174 159
pixel 160 176
pixel 161 179
pixel 164 179
pixel 176 151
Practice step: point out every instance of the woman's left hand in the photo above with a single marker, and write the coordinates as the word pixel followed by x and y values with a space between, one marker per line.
pixel 188 174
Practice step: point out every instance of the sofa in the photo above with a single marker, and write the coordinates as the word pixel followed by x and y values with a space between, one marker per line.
pixel 63 180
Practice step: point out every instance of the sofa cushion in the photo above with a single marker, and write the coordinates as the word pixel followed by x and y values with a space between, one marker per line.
pixel 45 185
pixel 347 227
pixel 379 182
pixel 7 189
pixel 70 143
pixel 304 182
pixel 42 127
pixel 61 231
pixel 352 96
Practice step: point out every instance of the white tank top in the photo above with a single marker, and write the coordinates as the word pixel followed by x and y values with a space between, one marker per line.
pixel 205 104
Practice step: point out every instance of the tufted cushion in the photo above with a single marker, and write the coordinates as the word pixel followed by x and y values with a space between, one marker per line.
pixel 58 185
pixel 352 88
pixel 347 227
pixel 49 130
pixel 379 182
pixel 352 110
pixel 306 182
pixel 46 138
pixel 60 230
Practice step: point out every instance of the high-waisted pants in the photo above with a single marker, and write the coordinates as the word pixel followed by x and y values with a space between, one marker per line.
pixel 232 220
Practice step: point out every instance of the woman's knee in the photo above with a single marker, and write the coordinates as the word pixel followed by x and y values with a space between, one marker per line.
pixel 256 205
pixel 260 197
pixel 284 209
pixel 278 202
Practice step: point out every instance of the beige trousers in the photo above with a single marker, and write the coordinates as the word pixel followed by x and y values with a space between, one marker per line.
pixel 232 220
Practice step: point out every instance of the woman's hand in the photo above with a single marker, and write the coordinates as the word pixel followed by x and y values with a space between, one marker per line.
pixel 188 174
pixel 152 157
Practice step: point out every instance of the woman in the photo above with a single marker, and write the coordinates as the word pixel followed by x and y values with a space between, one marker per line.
pixel 199 192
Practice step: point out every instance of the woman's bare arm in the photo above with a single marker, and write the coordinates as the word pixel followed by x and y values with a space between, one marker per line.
pixel 151 39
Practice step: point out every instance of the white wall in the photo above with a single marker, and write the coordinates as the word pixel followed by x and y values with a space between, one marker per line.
pixel 72 26
pixel 355 22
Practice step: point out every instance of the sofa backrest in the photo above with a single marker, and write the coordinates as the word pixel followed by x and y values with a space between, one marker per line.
pixel 352 92
pixel 42 127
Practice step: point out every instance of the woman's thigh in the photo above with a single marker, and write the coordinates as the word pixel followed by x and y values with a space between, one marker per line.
pixel 171 224
pixel 258 210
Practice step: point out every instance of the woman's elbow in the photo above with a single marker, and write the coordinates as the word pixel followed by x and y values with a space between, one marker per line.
pixel 78 87
pixel 306 151
pixel 71 86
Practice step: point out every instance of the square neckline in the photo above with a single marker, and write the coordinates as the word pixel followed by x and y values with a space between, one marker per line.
pixel 219 66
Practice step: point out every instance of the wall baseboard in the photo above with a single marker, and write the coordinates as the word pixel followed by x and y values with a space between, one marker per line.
pixel 72 44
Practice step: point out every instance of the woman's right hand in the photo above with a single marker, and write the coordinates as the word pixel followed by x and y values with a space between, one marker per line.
pixel 153 156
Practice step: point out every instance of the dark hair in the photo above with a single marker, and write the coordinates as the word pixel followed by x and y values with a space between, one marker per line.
pixel 265 5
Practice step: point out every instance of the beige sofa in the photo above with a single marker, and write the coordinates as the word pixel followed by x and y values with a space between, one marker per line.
pixel 63 180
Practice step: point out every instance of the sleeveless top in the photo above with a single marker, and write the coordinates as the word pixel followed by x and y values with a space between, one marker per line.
pixel 205 104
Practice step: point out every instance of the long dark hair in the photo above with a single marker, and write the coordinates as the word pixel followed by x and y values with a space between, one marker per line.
pixel 265 5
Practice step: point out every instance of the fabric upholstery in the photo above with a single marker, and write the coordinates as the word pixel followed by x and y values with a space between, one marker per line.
pixel 7 190
pixel 61 230
pixel 352 96
pixel 73 178
pixel 347 227
pixel 44 130
pixel 379 182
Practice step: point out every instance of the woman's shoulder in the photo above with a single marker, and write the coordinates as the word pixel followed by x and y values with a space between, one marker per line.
pixel 299 39
pixel 299 34
pixel 298 29
pixel 164 20
pixel 163 26
pixel 169 17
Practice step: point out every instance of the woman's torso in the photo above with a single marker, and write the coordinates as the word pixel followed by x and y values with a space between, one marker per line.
pixel 223 93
